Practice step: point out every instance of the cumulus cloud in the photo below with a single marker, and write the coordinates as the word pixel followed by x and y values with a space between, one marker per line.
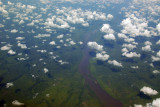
pixel 138 105
pixel 17 103
pixel 109 17
pixel 94 45
pixel 102 57
pixel 134 67
pixel 60 36
pixel 155 72
pixel 148 91
pixel 148 43
pixel 106 29
pixel 6 47
pixel 131 54
pixel 121 35
pixel 129 46
pixel 109 37
pixel 158 27
pixel 14 31
pixel 115 63
pixel 45 70
pixel 42 35
pixel 22 46
pixel 19 38
pixel 11 52
pixel 52 43
pixel 146 48
pixel 72 42
pixel 10 84
pixel 158 42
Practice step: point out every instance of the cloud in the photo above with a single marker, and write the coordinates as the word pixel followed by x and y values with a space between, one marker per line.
pixel 109 37
pixel 42 35
pixel 154 103
pixel 131 54
pixel 22 46
pixel 115 63
pixel 14 31
pixel 158 53
pixel 94 45
pixel 146 48
pixel 148 91
pixel 60 36
pixel 106 29
pixel 129 46
pixel 148 43
pixel 45 70
pixel 155 72
pixel 11 52
pixel 9 85
pixel 102 57
pixel 134 67
pixel 138 105
pixel 158 42
pixel 17 103
pixel 52 43
pixel 158 27
pixel 72 42
pixel 109 17
pixel 121 35
pixel 19 38
pixel 6 47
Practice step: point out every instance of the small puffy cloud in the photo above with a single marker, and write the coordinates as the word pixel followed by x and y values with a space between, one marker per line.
pixel 102 57
pixel 42 51
pixel 45 70
pixel 42 35
pixel 6 47
pixel 94 45
pixel 121 35
pixel 131 54
pixel 10 84
pixel 156 102
pixel 72 42
pixel 14 31
pixel 52 43
pixel 125 50
pixel 155 72
pixel 11 52
pixel 106 29
pixel 148 91
pixel 158 53
pixel 109 37
pixel 158 27
pixel 60 36
pixel 134 67
pixel 148 43
pixel 155 58
pixel 80 42
pixel 115 63
pixel 19 38
pixel 158 42
pixel 22 46
pixel 138 105
pixel 146 48
pixel 129 46
pixel 17 103
pixel 109 17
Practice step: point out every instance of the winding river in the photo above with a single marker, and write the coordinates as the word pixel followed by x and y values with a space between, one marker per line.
pixel 103 96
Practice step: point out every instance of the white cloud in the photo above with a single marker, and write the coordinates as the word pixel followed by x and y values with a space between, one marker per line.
pixel 14 31
pixel 155 72
pixel 6 47
pixel 158 27
pixel 158 53
pixel 121 35
pixel 60 36
pixel 11 52
pixel 134 67
pixel 102 57
pixel 156 102
pixel 109 17
pixel 146 48
pixel 72 42
pixel 45 70
pixel 106 28
pixel 129 46
pixel 42 35
pixel 148 91
pixel 22 46
pixel 109 37
pixel 94 45
pixel 19 38
pixel 9 85
pixel 131 54
pixel 42 51
pixel 148 43
pixel 17 103
pixel 52 43
pixel 125 50
pixel 158 42
pixel 155 58
pixel 138 105
pixel 115 63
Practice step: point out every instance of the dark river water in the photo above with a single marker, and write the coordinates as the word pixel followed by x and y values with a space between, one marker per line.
pixel 103 96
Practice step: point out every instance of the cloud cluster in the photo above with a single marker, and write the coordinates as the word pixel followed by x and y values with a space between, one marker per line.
pixel 10 84
pixel 148 91
pixel 157 57
pixel 17 103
